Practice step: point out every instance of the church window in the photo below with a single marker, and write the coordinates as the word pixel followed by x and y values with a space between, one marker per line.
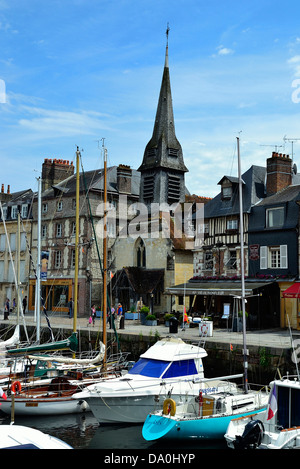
pixel 140 253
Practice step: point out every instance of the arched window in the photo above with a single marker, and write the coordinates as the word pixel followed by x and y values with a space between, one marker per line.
pixel 140 253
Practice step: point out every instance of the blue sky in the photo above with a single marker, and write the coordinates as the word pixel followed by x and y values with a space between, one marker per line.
pixel 77 71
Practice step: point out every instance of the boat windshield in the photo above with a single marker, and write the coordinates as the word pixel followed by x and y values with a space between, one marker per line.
pixel 149 367
pixel 157 368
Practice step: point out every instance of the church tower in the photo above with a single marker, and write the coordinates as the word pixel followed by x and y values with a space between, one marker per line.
pixel 163 168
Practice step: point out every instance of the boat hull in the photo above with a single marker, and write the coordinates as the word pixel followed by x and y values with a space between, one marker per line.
pixel 124 409
pixel 160 426
pixel 36 407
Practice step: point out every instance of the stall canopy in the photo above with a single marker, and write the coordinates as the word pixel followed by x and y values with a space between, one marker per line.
pixel 293 291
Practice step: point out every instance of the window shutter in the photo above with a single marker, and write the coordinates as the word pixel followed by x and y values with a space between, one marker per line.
pixel 263 257
pixel 283 257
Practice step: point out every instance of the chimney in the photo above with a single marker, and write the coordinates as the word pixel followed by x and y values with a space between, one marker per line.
pixel 124 175
pixel 279 173
pixel 5 196
pixel 55 171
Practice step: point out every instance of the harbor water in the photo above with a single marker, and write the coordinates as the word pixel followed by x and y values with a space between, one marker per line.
pixel 82 431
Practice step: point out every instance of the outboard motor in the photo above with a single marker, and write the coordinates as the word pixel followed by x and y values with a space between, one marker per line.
pixel 252 436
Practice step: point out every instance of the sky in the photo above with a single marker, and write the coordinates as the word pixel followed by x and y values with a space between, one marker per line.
pixel 74 72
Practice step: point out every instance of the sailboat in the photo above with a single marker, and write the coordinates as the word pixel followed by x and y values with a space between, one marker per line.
pixel 208 416
pixel 53 397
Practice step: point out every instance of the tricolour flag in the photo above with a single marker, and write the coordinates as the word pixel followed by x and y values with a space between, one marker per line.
pixel 2 394
pixel 272 407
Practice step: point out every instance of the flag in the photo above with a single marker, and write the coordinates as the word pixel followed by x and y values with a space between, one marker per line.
pixel 2 394
pixel 231 347
pixel 185 316
pixel 272 407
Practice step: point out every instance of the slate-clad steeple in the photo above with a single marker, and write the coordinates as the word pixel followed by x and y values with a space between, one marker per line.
pixel 163 168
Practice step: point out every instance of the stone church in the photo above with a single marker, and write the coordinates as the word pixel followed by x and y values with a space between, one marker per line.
pixel 151 255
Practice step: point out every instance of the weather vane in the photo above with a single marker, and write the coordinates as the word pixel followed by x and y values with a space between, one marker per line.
pixel 167 33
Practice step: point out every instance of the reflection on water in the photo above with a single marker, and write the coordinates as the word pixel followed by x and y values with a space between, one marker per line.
pixel 82 431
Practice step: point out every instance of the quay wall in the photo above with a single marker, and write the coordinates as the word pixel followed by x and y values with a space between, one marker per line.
pixel 264 362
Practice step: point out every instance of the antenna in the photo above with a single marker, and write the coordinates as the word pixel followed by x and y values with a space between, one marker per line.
pixel 291 140
pixel 274 146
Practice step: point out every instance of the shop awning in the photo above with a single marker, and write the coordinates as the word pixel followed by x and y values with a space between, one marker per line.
pixel 293 291
pixel 217 288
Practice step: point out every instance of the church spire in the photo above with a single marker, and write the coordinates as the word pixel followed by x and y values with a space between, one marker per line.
pixel 163 153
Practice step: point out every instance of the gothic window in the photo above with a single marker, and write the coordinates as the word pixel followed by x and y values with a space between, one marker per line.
pixel 140 253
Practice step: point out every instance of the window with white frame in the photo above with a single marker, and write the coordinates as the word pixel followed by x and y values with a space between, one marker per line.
pixel 12 241
pixel 4 212
pixel 231 262
pixel 57 259
pixel 2 242
pixel 23 244
pixel 59 230
pixel 73 233
pixel 232 224
pixel 208 260
pixel 59 206
pixel 14 212
pixel 73 259
pixel 24 211
pixel 274 217
pixel 44 231
pixel 273 257
pixel 45 208
pixel 2 279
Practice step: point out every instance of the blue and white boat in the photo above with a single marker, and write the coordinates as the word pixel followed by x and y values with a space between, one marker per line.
pixel 205 417
pixel 169 367
pixel 208 416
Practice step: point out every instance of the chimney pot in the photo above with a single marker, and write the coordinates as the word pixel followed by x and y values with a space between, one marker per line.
pixel 8 189
pixel 2 188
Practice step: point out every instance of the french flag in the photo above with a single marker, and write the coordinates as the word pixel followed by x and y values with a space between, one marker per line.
pixel 2 394
pixel 272 409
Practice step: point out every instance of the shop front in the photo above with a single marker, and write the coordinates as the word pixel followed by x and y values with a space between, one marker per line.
pixel 218 300
pixel 55 294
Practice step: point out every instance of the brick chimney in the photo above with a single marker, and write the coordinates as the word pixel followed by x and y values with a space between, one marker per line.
pixel 279 172
pixel 55 171
pixel 5 196
pixel 124 175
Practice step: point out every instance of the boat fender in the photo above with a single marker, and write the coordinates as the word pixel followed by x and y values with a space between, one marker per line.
pixel 83 405
pixel 16 386
pixel 169 407
pixel 251 437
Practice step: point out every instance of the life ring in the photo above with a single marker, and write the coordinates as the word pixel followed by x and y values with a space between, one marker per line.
pixel 204 329
pixel 169 407
pixel 16 386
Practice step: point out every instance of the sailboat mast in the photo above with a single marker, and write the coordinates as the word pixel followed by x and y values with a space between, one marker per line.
pixel 76 243
pixel 38 264
pixel 105 258
pixel 242 268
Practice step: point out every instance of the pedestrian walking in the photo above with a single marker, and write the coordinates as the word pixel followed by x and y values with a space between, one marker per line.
pixel 6 309
pixel 24 304
pixel 70 306
pixel 93 314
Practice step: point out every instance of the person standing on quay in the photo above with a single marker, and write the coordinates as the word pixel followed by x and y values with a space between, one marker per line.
pixel 24 304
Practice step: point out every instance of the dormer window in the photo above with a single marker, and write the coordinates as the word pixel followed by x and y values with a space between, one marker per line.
pixel 274 217
pixel 226 192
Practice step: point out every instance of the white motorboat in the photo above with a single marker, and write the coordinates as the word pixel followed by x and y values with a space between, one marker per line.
pixel 169 367
pixel 276 428
pixel 21 437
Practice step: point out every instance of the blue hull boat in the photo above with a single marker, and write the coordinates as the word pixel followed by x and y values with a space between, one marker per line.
pixel 194 421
